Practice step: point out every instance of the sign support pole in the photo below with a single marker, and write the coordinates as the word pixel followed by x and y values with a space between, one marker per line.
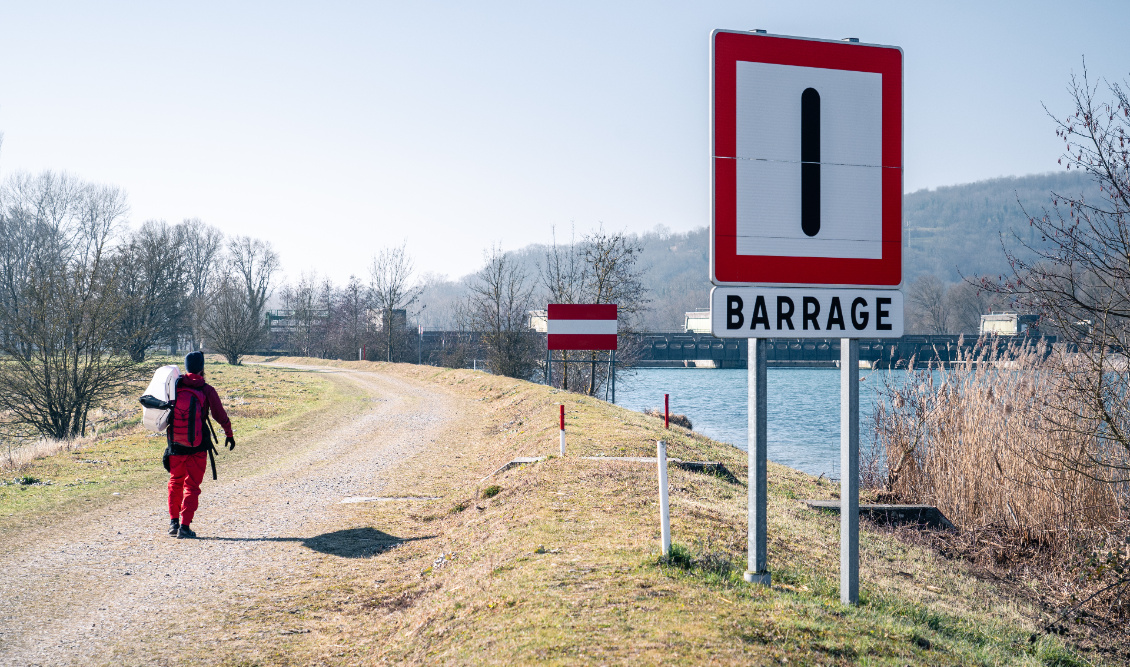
pixel 613 377
pixel 757 571
pixel 849 471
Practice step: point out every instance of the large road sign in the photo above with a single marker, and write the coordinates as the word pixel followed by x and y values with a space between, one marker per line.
pixel 581 326
pixel 807 152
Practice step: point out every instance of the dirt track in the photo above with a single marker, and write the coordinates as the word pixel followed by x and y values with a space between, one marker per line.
pixel 117 589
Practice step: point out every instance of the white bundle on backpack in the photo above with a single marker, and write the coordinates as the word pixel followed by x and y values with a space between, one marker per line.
pixel 162 390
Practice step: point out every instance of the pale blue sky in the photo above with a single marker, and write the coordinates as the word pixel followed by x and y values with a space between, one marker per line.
pixel 333 129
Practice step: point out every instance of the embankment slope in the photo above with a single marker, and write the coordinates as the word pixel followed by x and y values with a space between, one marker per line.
pixel 560 565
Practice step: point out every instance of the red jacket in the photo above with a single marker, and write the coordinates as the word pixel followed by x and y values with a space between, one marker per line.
pixel 211 400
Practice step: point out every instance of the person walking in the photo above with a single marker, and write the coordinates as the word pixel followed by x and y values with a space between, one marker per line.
pixel 190 441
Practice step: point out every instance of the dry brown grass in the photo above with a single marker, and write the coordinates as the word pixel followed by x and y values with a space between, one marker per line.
pixel 20 447
pixel 984 441
pixel 19 455
pixel 677 420
pixel 562 564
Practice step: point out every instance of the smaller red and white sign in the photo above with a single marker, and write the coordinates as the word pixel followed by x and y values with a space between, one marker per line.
pixel 582 326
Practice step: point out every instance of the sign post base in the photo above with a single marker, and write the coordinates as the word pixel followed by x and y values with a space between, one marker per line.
pixel 761 578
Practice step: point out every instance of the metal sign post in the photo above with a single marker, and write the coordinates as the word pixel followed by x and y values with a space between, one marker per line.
pixel 849 470
pixel 613 377
pixel 757 571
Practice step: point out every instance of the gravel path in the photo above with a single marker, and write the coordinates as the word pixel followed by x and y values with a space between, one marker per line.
pixel 76 591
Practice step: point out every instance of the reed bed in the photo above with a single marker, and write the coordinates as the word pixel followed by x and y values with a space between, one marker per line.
pixel 20 446
pixel 1021 460
pixel 15 455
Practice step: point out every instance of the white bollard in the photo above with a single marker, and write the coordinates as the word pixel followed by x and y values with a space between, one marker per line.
pixel 664 510
pixel 563 430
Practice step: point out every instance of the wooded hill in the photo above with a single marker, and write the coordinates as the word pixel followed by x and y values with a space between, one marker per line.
pixel 957 230
pixel 950 232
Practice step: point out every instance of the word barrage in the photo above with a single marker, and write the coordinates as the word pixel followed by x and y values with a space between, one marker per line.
pixel 753 312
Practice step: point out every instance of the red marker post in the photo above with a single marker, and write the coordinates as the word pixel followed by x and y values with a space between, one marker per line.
pixel 666 412
pixel 562 430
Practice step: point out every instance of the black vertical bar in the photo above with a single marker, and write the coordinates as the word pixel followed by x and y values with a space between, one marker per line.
pixel 810 161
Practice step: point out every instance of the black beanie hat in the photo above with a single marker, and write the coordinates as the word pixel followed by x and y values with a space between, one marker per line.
pixel 194 362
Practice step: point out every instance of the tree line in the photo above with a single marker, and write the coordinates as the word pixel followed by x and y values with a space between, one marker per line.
pixel 85 299
pixel 486 316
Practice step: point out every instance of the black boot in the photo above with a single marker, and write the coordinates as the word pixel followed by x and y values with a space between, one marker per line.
pixel 185 533
pixel 174 526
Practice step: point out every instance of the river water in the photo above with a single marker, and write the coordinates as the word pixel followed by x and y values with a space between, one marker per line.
pixel 804 408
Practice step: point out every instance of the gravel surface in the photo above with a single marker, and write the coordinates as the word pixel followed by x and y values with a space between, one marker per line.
pixel 92 589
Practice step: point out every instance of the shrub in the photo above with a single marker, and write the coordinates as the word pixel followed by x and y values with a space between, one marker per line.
pixel 677 420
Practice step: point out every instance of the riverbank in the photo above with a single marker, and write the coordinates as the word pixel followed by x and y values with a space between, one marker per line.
pixel 558 563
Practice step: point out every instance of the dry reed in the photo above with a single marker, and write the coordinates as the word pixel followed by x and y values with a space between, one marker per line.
pixel 19 445
pixel 677 420
pixel 17 454
pixel 1003 444
pixel 983 440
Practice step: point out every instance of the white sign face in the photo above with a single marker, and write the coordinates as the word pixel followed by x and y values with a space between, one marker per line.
pixel 767 312
pixel 848 151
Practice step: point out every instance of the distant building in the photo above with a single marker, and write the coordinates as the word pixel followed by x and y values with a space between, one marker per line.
pixel 1009 324
pixel 539 320
pixel 399 319
pixel 697 321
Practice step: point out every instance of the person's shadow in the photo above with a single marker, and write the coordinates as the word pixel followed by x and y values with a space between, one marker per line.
pixel 348 543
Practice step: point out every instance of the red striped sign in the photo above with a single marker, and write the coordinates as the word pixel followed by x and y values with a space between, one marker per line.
pixel 582 326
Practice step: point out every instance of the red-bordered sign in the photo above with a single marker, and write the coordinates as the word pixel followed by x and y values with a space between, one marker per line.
pixel 766 150
pixel 582 326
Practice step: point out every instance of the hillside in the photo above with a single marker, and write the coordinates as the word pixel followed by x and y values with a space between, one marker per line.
pixel 950 232
pixel 958 230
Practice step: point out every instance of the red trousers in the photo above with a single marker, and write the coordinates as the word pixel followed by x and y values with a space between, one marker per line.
pixel 185 474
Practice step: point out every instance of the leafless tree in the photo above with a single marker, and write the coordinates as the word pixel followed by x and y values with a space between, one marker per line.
pixel 151 267
pixel 1077 277
pixel 61 303
pixel 968 301
pixel 309 305
pixel 929 308
pixel 201 247
pixel 565 274
pixel 613 261
pixel 251 266
pixel 565 277
pixel 231 328
pixel 254 262
pixel 393 291
pixel 352 324
pixel 499 306
pixel 603 267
